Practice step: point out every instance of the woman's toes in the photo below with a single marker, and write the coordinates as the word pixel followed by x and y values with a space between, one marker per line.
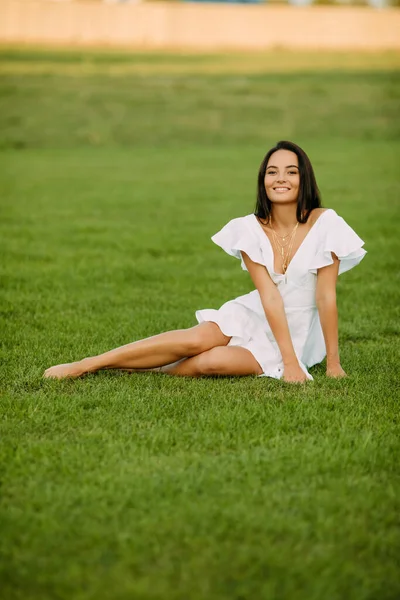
pixel 62 371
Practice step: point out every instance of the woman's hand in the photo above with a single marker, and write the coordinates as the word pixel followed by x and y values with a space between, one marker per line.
pixel 293 373
pixel 335 370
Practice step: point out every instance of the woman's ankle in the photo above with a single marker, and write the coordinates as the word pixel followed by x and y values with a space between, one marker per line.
pixel 88 365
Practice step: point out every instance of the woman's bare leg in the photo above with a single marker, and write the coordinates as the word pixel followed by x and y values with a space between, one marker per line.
pixel 149 353
pixel 231 360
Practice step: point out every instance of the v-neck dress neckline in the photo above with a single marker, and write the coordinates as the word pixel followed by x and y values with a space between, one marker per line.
pixel 271 248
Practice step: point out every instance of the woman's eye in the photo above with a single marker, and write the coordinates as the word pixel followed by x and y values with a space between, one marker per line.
pixel 292 172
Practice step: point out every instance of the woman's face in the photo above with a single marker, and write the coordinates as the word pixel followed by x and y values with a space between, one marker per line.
pixel 282 177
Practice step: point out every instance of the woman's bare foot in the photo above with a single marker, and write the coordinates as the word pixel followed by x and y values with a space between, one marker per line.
pixel 71 370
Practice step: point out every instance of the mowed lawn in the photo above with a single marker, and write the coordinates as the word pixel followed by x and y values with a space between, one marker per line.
pixel 115 171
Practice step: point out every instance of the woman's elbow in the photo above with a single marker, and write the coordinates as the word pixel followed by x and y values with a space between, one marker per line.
pixel 326 299
pixel 271 301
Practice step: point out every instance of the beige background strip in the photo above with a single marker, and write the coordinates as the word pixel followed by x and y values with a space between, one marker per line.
pixel 199 26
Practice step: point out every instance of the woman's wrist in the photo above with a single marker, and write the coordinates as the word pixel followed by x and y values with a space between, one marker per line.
pixel 332 360
pixel 290 360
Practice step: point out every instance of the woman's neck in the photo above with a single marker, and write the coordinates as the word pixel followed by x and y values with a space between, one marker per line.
pixel 284 217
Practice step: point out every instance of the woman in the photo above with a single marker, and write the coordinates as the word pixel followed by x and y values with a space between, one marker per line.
pixel 294 251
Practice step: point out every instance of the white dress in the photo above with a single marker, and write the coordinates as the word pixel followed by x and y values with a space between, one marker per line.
pixel 244 319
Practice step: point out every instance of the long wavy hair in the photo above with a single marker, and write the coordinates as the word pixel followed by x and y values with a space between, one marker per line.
pixel 309 196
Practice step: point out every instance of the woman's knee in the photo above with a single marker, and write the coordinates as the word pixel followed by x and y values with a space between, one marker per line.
pixel 203 337
pixel 233 361
pixel 211 362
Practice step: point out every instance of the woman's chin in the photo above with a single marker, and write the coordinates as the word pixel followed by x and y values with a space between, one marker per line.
pixel 283 199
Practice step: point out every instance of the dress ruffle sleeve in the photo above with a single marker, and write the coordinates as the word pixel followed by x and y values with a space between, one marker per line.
pixel 236 237
pixel 338 237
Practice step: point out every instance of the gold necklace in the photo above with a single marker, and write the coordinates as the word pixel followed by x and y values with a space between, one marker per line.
pixel 285 256
pixel 283 237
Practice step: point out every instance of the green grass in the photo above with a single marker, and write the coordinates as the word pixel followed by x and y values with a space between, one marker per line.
pixel 117 486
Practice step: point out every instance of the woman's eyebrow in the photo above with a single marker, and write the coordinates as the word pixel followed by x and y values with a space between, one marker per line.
pixel 288 167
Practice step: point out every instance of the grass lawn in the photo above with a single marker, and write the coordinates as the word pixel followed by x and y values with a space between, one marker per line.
pixel 115 171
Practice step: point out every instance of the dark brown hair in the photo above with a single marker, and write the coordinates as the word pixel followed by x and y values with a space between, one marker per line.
pixel 309 196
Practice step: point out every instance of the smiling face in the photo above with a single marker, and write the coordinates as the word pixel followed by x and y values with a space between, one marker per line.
pixel 282 177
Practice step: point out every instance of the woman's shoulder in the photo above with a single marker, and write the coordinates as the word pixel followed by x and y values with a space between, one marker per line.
pixel 335 236
pixel 238 236
pixel 240 225
pixel 317 213
pixel 240 220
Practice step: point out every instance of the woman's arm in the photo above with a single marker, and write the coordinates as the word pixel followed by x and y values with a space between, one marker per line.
pixel 328 315
pixel 274 311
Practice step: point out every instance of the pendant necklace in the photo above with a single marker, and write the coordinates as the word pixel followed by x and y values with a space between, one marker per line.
pixel 286 243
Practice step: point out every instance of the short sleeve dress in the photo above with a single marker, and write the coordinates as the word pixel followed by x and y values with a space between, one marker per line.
pixel 244 319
